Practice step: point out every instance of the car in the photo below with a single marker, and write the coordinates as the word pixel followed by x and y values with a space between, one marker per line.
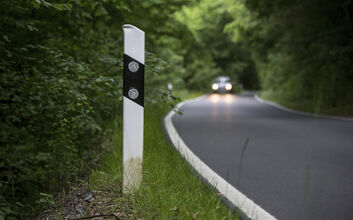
pixel 222 84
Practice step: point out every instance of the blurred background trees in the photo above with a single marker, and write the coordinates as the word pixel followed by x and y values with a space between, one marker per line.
pixel 61 71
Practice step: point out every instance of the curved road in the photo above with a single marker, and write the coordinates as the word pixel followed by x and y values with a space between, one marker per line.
pixel 293 166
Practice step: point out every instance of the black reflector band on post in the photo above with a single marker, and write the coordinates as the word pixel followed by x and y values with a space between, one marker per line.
pixel 134 79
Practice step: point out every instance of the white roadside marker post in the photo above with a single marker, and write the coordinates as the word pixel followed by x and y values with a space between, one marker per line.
pixel 133 101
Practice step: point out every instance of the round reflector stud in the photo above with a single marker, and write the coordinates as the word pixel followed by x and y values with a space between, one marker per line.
pixel 133 93
pixel 133 67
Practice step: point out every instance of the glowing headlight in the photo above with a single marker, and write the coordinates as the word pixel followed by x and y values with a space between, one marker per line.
pixel 215 86
pixel 228 86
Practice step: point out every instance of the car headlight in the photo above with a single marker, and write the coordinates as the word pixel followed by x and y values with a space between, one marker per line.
pixel 228 86
pixel 215 86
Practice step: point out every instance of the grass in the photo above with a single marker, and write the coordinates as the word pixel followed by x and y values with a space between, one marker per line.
pixel 185 94
pixel 282 99
pixel 305 105
pixel 170 189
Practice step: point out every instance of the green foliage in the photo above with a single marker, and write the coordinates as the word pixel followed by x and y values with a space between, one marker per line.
pixel 48 121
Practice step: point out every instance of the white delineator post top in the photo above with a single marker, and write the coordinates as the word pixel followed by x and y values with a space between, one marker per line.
pixel 133 90
pixel 134 42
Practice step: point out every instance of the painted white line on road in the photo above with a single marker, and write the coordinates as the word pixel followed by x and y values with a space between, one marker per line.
pixel 246 205
pixel 257 98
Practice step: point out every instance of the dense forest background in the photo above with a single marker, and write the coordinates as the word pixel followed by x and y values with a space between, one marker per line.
pixel 61 71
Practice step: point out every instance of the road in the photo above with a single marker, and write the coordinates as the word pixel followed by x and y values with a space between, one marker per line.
pixel 293 166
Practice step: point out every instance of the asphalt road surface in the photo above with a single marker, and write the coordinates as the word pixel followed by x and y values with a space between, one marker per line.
pixel 293 166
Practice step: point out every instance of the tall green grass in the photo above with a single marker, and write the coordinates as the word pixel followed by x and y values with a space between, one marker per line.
pixel 170 189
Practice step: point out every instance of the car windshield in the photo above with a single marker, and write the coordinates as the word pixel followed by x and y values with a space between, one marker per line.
pixel 222 79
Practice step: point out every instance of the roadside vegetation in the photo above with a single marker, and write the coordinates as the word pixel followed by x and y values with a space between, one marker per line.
pixel 61 79
pixel 170 188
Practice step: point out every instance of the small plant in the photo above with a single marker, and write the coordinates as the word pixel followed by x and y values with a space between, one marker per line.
pixel 46 199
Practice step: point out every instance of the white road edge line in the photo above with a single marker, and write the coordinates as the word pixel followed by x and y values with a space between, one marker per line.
pixel 257 98
pixel 246 205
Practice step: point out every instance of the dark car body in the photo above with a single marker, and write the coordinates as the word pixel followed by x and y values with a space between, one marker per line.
pixel 222 84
